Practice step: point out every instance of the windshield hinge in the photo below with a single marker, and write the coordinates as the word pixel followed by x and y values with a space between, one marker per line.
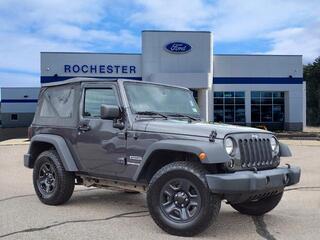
pixel 212 135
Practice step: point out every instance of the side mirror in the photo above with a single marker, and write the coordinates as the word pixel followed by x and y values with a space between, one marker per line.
pixel 109 112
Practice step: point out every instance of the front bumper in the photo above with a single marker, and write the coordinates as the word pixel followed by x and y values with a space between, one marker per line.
pixel 249 182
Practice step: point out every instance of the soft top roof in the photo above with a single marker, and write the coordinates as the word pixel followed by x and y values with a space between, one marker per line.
pixel 92 79
pixel 78 80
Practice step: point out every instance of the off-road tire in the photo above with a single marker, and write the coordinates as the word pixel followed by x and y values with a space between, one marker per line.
pixel 259 207
pixel 64 181
pixel 195 174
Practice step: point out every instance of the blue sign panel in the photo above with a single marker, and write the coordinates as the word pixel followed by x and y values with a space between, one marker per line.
pixel 178 47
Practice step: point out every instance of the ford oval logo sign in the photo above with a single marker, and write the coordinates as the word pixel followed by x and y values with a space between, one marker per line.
pixel 178 47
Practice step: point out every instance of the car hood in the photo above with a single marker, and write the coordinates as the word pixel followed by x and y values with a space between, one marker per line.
pixel 199 129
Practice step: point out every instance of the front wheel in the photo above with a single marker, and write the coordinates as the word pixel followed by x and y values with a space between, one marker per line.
pixel 180 201
pixel 258 207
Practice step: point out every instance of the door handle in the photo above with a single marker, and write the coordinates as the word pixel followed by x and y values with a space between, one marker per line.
pixel 84 127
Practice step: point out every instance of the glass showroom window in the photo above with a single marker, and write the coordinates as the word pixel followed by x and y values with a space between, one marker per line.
pixel 267 107
pixel 229 107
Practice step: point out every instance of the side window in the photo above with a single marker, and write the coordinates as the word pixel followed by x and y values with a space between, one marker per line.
pixel 57 103
pixel 95 97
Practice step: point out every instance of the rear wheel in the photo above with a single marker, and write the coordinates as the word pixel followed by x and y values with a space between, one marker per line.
pixel 180 201
pixel 53 185
pixel 258 207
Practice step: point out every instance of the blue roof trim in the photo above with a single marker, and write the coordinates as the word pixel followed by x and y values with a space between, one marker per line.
pixel 19 100
pixel 50 79
pixel 216 80
pixel 257 80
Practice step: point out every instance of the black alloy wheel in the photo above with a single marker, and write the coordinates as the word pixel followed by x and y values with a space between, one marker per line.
pixel 46 178
pixel 180 200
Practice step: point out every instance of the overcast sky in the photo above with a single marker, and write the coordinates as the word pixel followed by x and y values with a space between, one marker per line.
pixel 239 26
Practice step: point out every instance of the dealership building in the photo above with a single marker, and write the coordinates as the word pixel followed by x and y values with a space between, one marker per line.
pixel 253 90
pixel 17 106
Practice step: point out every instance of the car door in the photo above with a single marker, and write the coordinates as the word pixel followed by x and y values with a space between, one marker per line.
pixel 100 146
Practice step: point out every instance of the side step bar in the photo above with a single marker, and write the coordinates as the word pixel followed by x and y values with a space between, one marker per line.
pixel 107 183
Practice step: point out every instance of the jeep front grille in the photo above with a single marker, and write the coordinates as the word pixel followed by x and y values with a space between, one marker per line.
pixel 255 152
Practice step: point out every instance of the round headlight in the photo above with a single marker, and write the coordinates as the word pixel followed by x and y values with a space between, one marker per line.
pixel 274 145
pixel 229 145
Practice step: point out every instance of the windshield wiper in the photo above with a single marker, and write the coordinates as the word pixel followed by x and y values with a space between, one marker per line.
pixel 183 115
pixel 150 113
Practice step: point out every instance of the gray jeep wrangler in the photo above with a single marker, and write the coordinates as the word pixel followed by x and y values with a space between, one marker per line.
pixel 147 137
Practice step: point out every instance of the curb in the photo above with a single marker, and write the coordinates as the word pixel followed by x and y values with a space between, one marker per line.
pixel 14 142
pixel 299 142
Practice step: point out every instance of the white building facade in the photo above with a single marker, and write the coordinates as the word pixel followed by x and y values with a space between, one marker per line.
pixel 253 90
pixel 17 106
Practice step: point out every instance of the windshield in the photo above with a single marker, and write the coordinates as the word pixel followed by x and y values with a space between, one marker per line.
pixel 162 99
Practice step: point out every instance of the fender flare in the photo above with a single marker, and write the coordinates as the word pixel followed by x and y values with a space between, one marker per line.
pixel 60 145
pixel 284 150
pixel 215 151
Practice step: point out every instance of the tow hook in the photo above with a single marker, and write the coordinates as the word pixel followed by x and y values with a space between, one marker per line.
pixel 286 179
pixel 267 180
pixel 288 165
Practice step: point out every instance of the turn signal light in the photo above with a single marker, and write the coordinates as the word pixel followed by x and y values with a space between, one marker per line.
pixel 202 156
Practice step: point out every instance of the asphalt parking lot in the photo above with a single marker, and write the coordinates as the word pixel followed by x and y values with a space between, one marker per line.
pixel 105 214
